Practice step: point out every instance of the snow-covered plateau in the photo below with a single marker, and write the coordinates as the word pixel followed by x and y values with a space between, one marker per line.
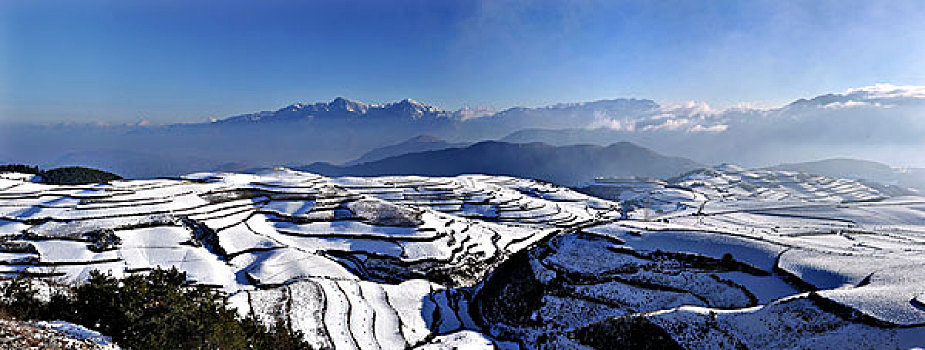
pixel 717 258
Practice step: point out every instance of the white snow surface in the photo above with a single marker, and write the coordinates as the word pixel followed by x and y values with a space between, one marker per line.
pixel 393 262
pixel 78 332
pixel 347 261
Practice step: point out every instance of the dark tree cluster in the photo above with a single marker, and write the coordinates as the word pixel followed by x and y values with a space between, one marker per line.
pixel 19 168
pixel 72 175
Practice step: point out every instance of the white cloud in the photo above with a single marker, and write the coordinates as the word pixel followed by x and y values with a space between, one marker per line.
pixel 602 121
pixel 746 106
pixel 851 104
pixel 888 91
pixel 709 129
pixel 467 112
pixel 668 124
pixel 698 109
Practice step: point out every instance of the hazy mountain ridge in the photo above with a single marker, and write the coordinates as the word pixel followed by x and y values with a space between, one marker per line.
pixel 861 169
pixel 876 95
pixel 416 144
pixel 566 165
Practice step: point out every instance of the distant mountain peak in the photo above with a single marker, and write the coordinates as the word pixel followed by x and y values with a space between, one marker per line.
pixel 424 138
pixel 415 144
pixel 415 108
pixel 413 102
pixel 344 104
pixel 616 103
pixel 344 108
pixel 877 95
pixel 729 168
pixel 879 91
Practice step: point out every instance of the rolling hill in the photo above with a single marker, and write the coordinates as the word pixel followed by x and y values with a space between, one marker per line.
pixel 861 169
pixel 416 144
pixel 566 165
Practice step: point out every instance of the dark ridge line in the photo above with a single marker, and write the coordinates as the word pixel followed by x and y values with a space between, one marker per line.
pixel 401 324
pixel 732 234
pixel 312 185
pixel 392 259
pixel 479 317
pixel 252 203
pixel 495 237
pixel 288 290
pixel 117 196
pixel 275 216
pixel 251 250
pixel 525 238
pixel 372 328
pixel 184 211
pixel 916 303
pixel 752 299
pixel 126 204
pixel 434 326
pixel 324 311
pixel 37 274
pixel 207 237
pixel 455 312
pixel 787 207
pixel 348 327
pixel 297 279
pixel 597 300
pixel 247 224
pixel 851 314
pixel 76 263
pixel 866 280
pixel 232 212
pixel 791 278
pixel 358 268
pixel 580 279
pixel 352 236
pixel 452 301
pixel 253 211
pixel 457 249
pixel 803 217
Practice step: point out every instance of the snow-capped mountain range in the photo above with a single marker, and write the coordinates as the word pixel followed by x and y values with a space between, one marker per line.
pixel 621 114
pixel 828 126
pixel 345 108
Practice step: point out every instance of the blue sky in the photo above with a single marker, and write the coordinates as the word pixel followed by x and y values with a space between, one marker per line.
pixel 171 61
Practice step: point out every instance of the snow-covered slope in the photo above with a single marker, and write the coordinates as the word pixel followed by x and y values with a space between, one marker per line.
pixel 352 262
pixel 718 258
pixel 731 182
pixel 51 335
pixel 725 258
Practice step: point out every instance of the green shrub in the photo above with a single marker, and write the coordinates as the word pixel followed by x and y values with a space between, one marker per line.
pixel 157 310
pixel 20 298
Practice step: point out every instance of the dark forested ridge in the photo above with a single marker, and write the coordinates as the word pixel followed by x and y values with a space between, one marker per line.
pixel 72 175
pixel 564 165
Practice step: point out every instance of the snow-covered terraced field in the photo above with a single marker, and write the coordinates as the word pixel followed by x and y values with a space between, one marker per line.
pixel 731 182
pixel 717 258
pixel 725 258
pixel 352 262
